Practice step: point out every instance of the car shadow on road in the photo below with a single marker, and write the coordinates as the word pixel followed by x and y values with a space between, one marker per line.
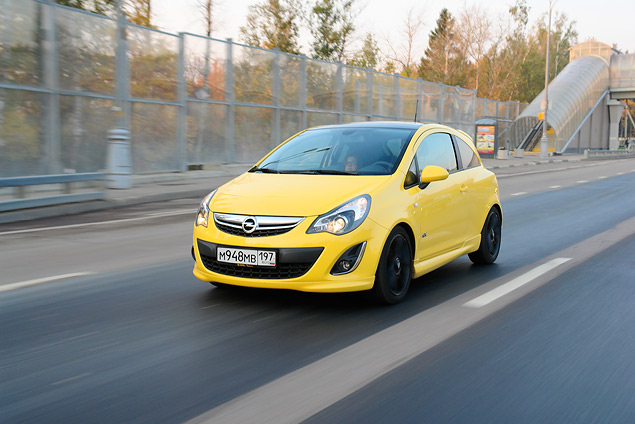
pixel 425 292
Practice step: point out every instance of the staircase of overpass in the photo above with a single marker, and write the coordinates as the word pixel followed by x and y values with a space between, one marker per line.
pixel 584 102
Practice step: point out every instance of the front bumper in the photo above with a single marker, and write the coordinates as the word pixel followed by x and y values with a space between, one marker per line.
pixel 305 260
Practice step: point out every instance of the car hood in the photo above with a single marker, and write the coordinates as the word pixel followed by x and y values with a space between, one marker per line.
pixel 291 194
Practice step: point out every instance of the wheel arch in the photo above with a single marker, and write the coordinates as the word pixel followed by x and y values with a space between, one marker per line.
pixel 411 236
pixel 498 208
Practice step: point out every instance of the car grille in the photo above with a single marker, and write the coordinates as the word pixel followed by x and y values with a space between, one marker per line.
pixel 268 273
pixel 265 226
pixel 258 233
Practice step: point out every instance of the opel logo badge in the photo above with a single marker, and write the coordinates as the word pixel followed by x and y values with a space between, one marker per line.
pixel 250 224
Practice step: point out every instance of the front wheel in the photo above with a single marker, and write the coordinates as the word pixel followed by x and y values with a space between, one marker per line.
pixel 490 239
pixel 394 271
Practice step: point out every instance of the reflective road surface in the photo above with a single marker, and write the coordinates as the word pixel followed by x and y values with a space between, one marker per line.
pixel 104 322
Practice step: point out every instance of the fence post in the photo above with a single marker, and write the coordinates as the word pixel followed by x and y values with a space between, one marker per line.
pixel 440 110
pixel 419 99
pixel 474 108
pixel 229 89
pixel 302 93
pixel 181 137
pixel 369 88
pixel 380 100
pixel 358 100
pixel 52 160
pixel 276 136
pixel 396 97
pixel 339 88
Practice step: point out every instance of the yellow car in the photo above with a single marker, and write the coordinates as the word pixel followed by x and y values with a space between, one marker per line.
pixel 362 206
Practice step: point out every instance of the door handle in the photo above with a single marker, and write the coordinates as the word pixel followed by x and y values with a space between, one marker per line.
pixel 463 189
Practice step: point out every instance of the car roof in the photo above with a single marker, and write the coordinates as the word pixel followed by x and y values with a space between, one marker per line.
pixel 378 124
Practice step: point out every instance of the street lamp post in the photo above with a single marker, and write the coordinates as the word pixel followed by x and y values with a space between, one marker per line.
pixel 118 159
pixel 544 144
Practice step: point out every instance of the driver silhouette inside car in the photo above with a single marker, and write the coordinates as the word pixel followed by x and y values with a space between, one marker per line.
pixel 350 165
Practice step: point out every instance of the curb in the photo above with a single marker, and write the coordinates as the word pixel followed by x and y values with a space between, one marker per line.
pixel 533 163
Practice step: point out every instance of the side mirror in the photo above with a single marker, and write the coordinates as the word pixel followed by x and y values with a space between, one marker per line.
pixel 433 173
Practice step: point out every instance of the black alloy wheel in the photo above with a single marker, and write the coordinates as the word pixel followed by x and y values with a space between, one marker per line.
pixel 490 239
pixel 394 272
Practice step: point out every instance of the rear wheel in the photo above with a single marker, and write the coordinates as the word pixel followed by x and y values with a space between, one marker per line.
pixel 394 272
pixel 490 239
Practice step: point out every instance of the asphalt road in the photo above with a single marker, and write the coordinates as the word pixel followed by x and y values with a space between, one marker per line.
pixel 134 337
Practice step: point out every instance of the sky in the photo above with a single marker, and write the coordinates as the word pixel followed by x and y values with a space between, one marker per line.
pixel 608 21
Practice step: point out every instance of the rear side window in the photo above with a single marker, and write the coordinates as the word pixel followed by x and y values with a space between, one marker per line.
pixel 468 158
pixel 437 149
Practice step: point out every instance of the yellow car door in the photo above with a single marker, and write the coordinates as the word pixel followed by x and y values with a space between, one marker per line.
pixel 478 187
pixel 442 206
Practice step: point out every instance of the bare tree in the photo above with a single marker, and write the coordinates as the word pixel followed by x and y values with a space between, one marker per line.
pixel 495 61
pixel 475 35
pixel 206 7
pixel 405 52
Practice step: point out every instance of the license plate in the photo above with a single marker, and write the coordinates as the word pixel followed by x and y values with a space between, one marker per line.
pixel 246 256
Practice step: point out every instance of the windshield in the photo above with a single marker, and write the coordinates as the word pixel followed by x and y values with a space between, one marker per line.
pixel 345 151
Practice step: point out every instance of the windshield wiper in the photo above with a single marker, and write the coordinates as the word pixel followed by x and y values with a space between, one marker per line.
pixel 264 170
pixel 330 172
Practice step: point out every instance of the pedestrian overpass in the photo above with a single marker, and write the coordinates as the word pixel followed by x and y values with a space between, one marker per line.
pixel 584 108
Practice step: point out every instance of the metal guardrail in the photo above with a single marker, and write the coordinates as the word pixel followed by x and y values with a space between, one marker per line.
pixel 593 154
pixel 67 180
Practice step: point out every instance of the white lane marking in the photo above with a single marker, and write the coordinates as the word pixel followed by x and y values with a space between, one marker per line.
pixel 556 186
pixel 602 177
pixel 83 335
pixel 548 170
pixel 620 173
pixel 582 181
pixel 301 394
pixel 520 193
pixel 14 286
pixel 114 221
pixel 514 284
pixel 211 306
pixel 68 380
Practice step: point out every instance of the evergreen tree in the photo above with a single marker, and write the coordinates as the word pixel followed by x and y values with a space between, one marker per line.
pixel 273 24
pixel 443 61
pixel 331 23
pixel 368 56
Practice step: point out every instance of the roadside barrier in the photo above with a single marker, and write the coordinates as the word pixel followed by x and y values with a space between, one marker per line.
pixel 603 154
pixel 67 182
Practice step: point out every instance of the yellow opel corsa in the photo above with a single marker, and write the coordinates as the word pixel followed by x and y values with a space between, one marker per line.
pixel 363 206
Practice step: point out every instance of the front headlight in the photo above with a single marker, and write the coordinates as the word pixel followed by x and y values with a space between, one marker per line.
pixel 344 218
pixel 203 210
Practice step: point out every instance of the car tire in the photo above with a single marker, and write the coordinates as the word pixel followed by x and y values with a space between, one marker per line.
pixel 490 239
pixel 394 272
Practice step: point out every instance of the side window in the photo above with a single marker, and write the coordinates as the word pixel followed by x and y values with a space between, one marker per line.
pixel 411 175
pixel 436 149
pixel 468 158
